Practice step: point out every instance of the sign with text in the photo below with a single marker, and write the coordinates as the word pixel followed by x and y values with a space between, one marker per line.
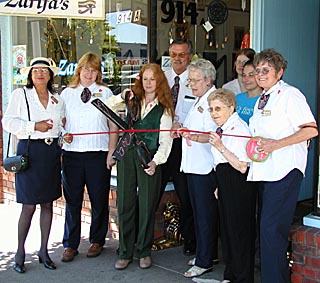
pixel 85 9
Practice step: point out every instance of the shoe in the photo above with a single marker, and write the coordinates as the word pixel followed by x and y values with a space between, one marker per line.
pixel 20 268
pixel 195 271
pixel 225 281
pixel 122 264
pixel 189 248
pixel 94 250
pixel 192 262
pixel 47 263
pixel 68 254
pixel 145 262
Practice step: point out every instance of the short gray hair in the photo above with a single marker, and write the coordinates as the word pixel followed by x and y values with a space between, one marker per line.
pixel 206 67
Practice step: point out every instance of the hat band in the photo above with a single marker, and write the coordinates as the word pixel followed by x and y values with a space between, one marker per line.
pixel 40 62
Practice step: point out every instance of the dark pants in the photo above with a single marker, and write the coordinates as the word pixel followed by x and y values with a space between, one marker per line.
pixel 279 201
pixel 80 169
pixel 205 211
pixel 171 170
pixel 237 211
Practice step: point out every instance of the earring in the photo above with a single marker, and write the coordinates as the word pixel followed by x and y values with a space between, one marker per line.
pixel 208 84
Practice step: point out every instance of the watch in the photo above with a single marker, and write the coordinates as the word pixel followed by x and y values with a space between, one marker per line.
pixel 223 150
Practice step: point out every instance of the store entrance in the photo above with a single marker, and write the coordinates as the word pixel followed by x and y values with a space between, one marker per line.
pixel 216 28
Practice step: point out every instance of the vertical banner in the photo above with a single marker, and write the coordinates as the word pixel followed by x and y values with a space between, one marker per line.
pixel 19 57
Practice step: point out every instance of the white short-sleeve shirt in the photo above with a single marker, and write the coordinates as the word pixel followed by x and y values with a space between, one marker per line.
pixel 185 96
pixel 84 118
pixel 285 111
pixel 236 138
pixel 197 158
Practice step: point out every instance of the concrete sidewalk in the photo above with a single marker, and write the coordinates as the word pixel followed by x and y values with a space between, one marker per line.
pixel 168 265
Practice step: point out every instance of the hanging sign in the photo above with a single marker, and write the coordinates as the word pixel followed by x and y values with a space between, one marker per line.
pixel 85 9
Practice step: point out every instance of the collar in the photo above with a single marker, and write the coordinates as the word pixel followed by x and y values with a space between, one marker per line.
pixel 183 76
pixel 230 121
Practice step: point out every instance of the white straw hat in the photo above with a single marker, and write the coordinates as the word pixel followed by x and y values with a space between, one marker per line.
pixel 40 62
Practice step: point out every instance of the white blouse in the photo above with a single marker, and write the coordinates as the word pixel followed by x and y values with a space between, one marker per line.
pixel 85 118
pixel 15 119
pixel 197 158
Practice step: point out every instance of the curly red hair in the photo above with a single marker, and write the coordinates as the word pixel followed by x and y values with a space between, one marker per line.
pixel 162 87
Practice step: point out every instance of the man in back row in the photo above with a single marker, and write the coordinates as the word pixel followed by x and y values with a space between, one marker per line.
pixel 181 52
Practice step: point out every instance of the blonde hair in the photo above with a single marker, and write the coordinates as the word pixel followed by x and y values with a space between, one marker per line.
pixel 225 96
pixel 91 60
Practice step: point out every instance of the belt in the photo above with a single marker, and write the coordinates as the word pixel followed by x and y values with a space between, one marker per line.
pixel 48 141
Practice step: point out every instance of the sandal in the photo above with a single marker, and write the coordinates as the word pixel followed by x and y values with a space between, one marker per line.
pixel 195 271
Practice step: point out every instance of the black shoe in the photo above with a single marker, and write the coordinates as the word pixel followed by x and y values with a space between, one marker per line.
pixel 20 268
pixel 215 261
pixel 189 248
pixel 47 263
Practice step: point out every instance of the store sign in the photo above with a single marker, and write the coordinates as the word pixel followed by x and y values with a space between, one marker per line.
pixel 85 9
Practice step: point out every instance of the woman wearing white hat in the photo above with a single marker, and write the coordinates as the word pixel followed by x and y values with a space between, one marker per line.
pixel 35 112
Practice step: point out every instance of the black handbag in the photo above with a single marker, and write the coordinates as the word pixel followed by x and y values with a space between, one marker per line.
pixel 17 163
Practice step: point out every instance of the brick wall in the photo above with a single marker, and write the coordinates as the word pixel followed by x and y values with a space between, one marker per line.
pixel 7 193
pixel 306 254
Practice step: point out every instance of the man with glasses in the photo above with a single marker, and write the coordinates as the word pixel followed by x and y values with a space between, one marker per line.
pixel 181 52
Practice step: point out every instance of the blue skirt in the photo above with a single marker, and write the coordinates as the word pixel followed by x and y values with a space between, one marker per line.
pixel 41 182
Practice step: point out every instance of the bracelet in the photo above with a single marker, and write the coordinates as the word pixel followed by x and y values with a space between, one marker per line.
pixel 197 138
pixel 222 150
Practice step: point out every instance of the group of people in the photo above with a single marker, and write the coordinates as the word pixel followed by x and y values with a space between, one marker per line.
pixel 197 137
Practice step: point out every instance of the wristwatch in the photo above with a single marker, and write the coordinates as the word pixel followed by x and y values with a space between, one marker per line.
pixel 223 150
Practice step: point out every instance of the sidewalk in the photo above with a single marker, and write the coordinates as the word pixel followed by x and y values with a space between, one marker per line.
pixel 168 265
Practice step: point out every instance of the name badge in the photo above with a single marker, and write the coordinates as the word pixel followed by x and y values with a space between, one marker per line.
pixel 266 113
pixel 97 94
pixel 200 109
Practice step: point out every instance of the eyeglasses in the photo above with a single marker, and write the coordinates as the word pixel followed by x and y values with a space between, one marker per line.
pixel 181 55
pixel 241 63
pixel 263 101
pixel 217 108
pixel 40 70
pixel 87 70
pixel 193 81
pixel 85 95
pixel 264 70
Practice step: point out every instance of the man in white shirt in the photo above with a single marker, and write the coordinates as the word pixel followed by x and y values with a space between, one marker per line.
pixel 180 55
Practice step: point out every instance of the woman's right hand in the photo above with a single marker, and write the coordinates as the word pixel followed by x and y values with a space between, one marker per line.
pixel 43 126
pixel 68 138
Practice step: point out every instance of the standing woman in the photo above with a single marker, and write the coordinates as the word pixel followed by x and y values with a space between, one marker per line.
pixel 237 85
pixel 283 117
pixel 237 197
pixel 41 182
pixel 153 94
pixel 86 159
pixel 197 163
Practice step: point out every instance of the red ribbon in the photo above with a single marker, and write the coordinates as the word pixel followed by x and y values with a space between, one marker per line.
pixel 153 131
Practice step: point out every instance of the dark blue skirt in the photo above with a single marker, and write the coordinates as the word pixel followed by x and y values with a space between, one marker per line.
pixel 41 182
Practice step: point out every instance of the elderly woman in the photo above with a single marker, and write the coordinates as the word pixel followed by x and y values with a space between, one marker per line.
pixel 37 113
pixel 284 118
pixel 237 197
pixel 197 162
